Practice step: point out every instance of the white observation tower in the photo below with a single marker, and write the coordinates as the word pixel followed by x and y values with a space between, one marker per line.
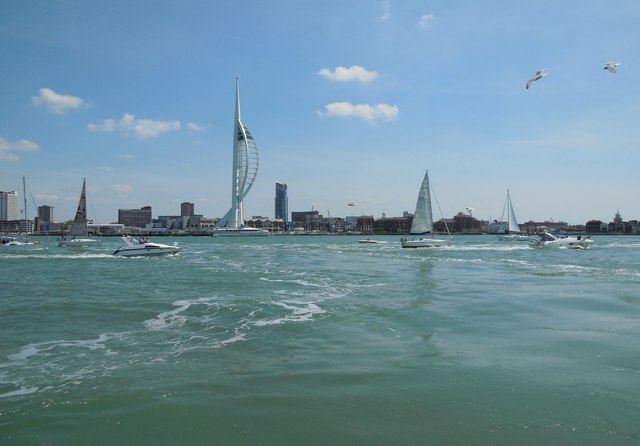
pixel 245 169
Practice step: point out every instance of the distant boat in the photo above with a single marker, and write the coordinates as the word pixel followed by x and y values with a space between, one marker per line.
pixel 422 223
pixel 142 247
pixel 562 241
pixel 512 233
pixel 78 236
pixel 372 241
pixel 242 231
pixel 12 242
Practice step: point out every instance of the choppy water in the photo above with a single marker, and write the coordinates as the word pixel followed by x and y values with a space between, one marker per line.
pixel 321 340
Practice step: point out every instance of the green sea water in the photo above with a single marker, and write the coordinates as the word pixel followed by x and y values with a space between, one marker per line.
pixel 319 340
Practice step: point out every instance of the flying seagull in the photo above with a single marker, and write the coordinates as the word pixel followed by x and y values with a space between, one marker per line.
pixel 539 75
pixel 611 67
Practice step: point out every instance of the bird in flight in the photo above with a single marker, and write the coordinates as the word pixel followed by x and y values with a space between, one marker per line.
pixel 536 77
pixel 611 67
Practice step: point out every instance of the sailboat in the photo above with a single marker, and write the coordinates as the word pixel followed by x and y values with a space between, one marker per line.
pixel 422 223
pixel 11 242
pixel 512 233
pixel 79 234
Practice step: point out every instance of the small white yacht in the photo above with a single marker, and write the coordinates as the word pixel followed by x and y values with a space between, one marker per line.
pixel 422 223
pixel 142 247
pixel 562 241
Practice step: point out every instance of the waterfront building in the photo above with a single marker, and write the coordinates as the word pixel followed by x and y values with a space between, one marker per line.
pixel 137 218
pixel 595 227
pixel 465 224
pixel 9 206
pixel 45 213
pixel 187 209
pixel 282 204
pixel 244 169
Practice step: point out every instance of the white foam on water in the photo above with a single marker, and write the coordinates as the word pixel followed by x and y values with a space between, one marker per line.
pixel 295 281
pixel 19 392
pixel 174 317
pixel 300 312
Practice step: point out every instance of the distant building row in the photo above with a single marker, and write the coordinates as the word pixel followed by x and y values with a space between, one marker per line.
pixel 301 221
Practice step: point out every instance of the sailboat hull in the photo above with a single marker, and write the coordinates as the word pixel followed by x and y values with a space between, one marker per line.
pixel 425 243
pixel 77 242
pixel 514 238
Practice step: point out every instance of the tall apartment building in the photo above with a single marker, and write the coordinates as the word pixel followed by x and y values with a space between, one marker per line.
pixel 45 214
pixel 187 209
pixel 282 204
pixel 137 218
pixel 9 206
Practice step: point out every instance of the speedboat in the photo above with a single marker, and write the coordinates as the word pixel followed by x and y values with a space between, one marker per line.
pixel 143 247
pixel 372 241
pixel 562 241
pixel 12 242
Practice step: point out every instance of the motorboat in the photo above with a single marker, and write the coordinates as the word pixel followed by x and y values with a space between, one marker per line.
pixel 372 241
pixel 142 247
pixel 422 223
pixel 562 241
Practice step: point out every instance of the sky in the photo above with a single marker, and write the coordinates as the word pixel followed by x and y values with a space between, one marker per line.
pixel 348 101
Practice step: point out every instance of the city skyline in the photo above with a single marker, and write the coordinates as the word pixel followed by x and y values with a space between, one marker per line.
pixel 350 102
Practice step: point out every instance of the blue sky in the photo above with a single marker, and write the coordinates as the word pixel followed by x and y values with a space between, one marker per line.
pixel 349 101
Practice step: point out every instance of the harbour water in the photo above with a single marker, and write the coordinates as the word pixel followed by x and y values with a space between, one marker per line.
pixel 320 340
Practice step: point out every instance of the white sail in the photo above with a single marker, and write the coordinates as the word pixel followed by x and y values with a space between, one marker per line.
pixel 79 232
pixel 423 218
pixel 513 223
pixel 79 225
pixel 423 221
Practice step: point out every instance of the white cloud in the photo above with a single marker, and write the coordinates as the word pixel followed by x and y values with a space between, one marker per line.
pixel 43 197
pixel 55 103
pixel 141 128
pixel 148 128
pixel 105 168
pixel 343 74
pixel 195 127
pixel 425 20
pixel 363 111
pixel 7 148
pixel 122 189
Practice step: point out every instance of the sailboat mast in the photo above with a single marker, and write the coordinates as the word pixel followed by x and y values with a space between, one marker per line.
pixel 508 211
pixel 26 221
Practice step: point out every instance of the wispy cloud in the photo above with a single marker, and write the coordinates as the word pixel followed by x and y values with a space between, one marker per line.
pixel 386 6
pixel 425 20
pixel 105 168
pixel 195 127
pixel 122 189
pixel 343 74
pixel 8 148
pixel 44 197
pixel 140 128
pixel 370 113
pixel 55 103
